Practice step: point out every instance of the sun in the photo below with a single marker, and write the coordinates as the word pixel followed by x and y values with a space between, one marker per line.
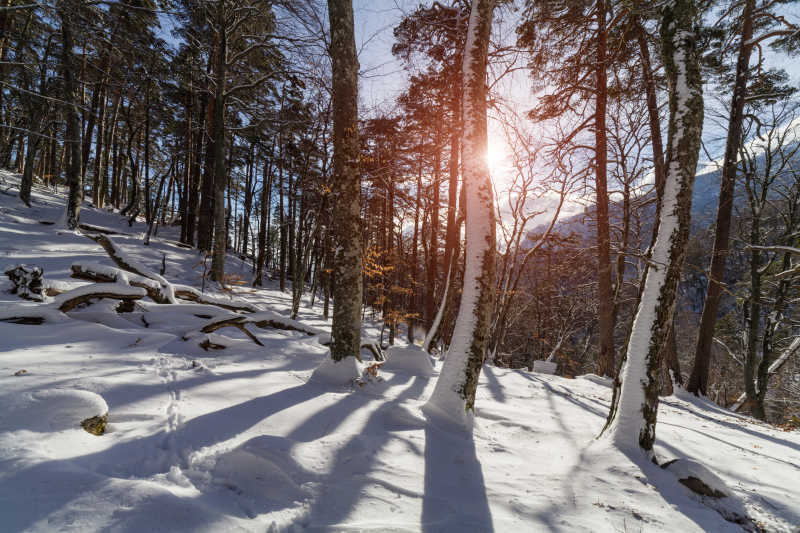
pixel 495 157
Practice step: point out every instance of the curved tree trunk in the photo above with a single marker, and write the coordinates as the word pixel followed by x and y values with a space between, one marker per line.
pixel 632 419
pixel 454 395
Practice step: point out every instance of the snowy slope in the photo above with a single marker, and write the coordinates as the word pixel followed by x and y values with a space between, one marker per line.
pixel 241 440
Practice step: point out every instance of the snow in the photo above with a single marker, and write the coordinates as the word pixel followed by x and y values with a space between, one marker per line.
pixel 242 439
pixel 338 373
pixel 52 410
pixel 409 360
pixel 685 468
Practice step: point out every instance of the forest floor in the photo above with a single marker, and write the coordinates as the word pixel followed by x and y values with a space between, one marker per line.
pixel 241 439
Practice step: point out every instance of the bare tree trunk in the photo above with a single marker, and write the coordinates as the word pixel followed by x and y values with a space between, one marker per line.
pixel 698 381
pixel 72 137
pixel 220 177
pixel 433 247
pixel 205 222
pixel 266 198
pixel 347 288
pixel 605 293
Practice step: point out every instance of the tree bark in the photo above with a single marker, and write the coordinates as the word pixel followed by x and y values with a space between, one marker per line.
pixel 698 381
pixel 454 395
pixel 72 137
pixel 605 292
pixel 347 287
pixel 632 418
pixel 220 176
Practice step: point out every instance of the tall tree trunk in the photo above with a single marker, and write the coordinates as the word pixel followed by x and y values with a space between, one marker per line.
pixel 348 283
pixel 194 186
pixel 72 137
pixel 672 370
pixel 266 198
pixel 183 205
pixel 98 193
pixel 27 171
pixel 433 247
pixel 454 395
pixel 698 381
pixel 205 222
pixel 631 422
pixel 282 220
pixel 605 291
pixel 413 307
pixel 148 209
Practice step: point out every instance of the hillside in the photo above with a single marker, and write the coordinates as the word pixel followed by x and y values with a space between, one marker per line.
pixel 243 439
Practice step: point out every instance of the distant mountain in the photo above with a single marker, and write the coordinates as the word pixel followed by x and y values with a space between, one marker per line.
pixel 705 197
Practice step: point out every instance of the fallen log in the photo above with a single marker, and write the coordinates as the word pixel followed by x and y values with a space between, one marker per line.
pixel 100 229
pixel 105 274
pixel 132 266
pixel 67 301
pixel 71 299
pixel 237 322
pixel 263 320
pixel 185 292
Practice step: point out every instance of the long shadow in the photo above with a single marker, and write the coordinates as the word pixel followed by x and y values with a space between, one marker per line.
pixel 139 457
pixel 738 427
pixel 326 420
pixel 748 450
pixel 675 494
pixel 494 386
pixel 455 496
pixel 569 397
pixel 355 460
pixel 786 508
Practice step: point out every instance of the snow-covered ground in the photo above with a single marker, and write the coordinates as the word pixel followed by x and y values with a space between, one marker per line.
pixel 241 439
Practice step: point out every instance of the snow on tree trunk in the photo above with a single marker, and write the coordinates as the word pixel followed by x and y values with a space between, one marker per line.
pixel 454 395
pixel 347 280
pixel 632 420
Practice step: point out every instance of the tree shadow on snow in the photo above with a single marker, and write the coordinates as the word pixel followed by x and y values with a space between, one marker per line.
pixel 493 384
pixel 358 458
pixel 455 492
pixel 136 458
pixel 738 427
pixel 786 508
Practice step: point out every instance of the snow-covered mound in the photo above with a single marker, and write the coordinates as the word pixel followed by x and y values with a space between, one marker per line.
pixel 51 410
pixel 242 439
pixel 409 360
